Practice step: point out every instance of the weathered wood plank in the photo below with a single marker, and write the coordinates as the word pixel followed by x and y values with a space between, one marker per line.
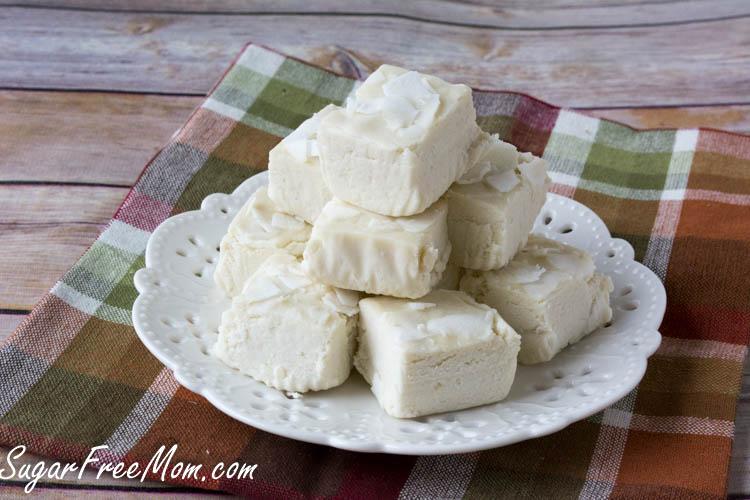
pixel 44 229
pixel 32 206
pixel 506 15
pixel 669 65
pixel 8 323
pixel 28 249
pixel 734 118
pixel 66 136
pixel 84 137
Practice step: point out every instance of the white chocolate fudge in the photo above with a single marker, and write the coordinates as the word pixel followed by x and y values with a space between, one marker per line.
pixel 296 182
pixel 550 294
pixel 492 208
pixel 443 352
pixel 359 250
pixel 289 331
pixel 258 231
pixel 402 139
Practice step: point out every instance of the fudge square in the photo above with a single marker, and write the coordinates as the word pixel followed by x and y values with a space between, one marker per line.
pixel 550 294
pixel 402 139
pixel 296 182
pixel 492 208
pixel 353 248
pixel 258 231
pixel 443 352
pixel 289 331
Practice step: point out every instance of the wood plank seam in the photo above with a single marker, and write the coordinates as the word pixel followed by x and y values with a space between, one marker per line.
pixel 675 65
pixel 15 312
pixel 83 90
pixel 388 16
pixel 62 183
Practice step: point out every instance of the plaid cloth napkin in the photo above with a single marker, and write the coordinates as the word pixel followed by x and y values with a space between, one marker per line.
pixel 75 375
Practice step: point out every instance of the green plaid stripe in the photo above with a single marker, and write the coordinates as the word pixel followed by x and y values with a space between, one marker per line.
pixel 274 94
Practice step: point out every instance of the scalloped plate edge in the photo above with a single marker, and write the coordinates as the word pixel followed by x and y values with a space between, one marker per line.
pixel 240 194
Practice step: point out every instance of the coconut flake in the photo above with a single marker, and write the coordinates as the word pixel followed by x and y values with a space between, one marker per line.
pixel 293 281
pixel 298 150
pixel 409 103
pixel 301 143
pixel 476 173
pixel 376 78
pixel 261 288
pixel 366 106
pixel 502 181
pixel 525 274
pixel 410 85
pixel 399 112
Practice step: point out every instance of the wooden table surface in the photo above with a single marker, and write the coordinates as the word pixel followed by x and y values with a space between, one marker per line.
pixel 90 90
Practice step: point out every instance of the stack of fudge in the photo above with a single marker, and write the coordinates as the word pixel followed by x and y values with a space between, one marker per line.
pixel 394 237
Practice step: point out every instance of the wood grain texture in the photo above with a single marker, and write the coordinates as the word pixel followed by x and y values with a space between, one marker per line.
pixel 84 137
pixel 8 323
pixel 515 14
pixel 44 229
pixel 172 53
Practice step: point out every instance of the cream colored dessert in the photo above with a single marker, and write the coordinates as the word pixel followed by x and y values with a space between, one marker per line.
pixel 258 231
pixel 296 182
pixel 288 330
pixel 492 208
pixel 356 249
pixel 402 139
pixel 550 294
pixel 443 352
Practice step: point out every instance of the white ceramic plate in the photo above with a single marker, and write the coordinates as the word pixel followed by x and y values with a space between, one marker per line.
pixel 178 311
